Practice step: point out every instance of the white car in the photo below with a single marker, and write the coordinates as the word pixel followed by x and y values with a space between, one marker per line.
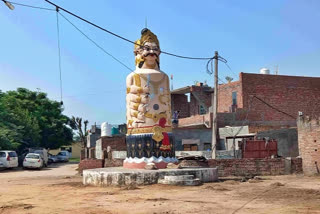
pixel 8 159
pixel 33 160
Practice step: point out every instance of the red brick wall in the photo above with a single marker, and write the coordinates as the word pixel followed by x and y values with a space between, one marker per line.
pixel 296 165
pixel 202 95
pixel 225 96
pixel 90 164
pixel 179 102
pixel 289 94
pixel 196 120
pixel 251 167
pixel 309 144
pixel 117 143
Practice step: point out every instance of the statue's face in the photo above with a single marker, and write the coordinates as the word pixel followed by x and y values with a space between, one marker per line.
pixel 150 53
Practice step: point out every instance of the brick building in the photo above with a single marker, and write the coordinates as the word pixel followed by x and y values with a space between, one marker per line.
pixel 260 101
pixel 268 101
pixel 309 144
pixel 193 102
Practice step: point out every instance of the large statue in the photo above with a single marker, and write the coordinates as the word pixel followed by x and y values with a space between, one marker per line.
pixel 149 137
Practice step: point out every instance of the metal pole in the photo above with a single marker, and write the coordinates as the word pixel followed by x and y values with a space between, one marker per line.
pixel 215 106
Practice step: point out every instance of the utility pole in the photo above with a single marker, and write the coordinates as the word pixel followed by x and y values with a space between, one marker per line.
pixel 214 100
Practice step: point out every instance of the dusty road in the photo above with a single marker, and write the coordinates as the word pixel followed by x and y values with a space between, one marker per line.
pixel 59 189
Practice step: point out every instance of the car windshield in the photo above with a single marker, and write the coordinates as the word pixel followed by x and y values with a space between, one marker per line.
pixel 2 154
pixel 33 156
pixel 62 154
pixel 12 154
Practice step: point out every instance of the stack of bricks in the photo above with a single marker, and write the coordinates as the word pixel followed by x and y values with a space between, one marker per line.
pixel 250 166
pixel 309 144
pixel 90 164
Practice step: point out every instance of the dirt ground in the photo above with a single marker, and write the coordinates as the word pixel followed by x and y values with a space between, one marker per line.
pixel 58 189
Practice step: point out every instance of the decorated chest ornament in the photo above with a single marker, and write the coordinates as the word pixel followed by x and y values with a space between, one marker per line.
pixel 159 134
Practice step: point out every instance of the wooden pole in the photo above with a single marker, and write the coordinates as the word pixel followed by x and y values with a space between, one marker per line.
pixel 215 106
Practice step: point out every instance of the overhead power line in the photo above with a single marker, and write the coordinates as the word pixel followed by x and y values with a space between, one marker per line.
pixel 96 44
pixel 30 6
pixel 125 39
pixel 273 107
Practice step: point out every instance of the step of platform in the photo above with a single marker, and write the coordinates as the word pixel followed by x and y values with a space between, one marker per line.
pixel 183 182
pixel 178 177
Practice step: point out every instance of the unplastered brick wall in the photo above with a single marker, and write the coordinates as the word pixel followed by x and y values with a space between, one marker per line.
pixel 289 94
pixel 196 120
pixel 199 95
pixel 251 166
pixel 117 143
pixel 225 96
pixel 90 164
pixel 179 102
pixel 309 144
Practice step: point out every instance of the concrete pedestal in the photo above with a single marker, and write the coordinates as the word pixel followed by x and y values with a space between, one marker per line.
pixel 118 176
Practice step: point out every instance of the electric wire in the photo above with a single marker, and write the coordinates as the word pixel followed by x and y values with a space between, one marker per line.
pixel 59 54
pixel 261 100
pixel 30 6
pixel 101 48
pixel 96 44
pixel 123 38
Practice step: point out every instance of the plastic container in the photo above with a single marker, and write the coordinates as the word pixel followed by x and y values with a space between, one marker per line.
pixel 106 129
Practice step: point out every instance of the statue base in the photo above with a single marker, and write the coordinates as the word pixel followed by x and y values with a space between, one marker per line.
pixel 143 149
pixel 140 163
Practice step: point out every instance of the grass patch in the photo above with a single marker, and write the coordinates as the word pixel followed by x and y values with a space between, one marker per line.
pixel 74 159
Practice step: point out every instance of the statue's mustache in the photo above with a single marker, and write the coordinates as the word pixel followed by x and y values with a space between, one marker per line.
pixel 151 54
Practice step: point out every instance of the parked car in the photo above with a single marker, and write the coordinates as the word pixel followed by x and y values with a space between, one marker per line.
pixel 43 152
pixel 52 158
pixel 63 156
pixel 8 159
pixel 33 160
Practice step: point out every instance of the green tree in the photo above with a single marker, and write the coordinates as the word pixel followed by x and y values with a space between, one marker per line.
pixel 36 120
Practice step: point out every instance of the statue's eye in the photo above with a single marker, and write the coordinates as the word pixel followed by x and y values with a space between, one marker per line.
pixel 147 48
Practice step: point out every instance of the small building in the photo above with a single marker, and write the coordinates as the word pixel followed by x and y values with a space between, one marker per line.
pixel 74 149
pixel 193 132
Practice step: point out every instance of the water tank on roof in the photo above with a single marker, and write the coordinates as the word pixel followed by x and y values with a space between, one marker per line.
pixel 264 71
pixel 106 129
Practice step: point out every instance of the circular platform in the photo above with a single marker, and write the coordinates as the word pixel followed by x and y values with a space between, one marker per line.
pixel 119 176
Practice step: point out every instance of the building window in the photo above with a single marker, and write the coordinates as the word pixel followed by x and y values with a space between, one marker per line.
pixel 234 98
pixel 190 147
pixel 202 110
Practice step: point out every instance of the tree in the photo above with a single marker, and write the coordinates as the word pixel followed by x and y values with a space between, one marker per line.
pixel 30 119
pixel 76 124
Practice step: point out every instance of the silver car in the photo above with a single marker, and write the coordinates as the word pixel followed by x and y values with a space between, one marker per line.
pixel 63 156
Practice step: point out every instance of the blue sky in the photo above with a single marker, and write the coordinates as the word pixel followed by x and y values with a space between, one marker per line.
pixel 249 34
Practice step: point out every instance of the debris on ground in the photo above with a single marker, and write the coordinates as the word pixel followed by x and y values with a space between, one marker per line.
pixel 150 166
pixel 276 184
pixel 193 161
